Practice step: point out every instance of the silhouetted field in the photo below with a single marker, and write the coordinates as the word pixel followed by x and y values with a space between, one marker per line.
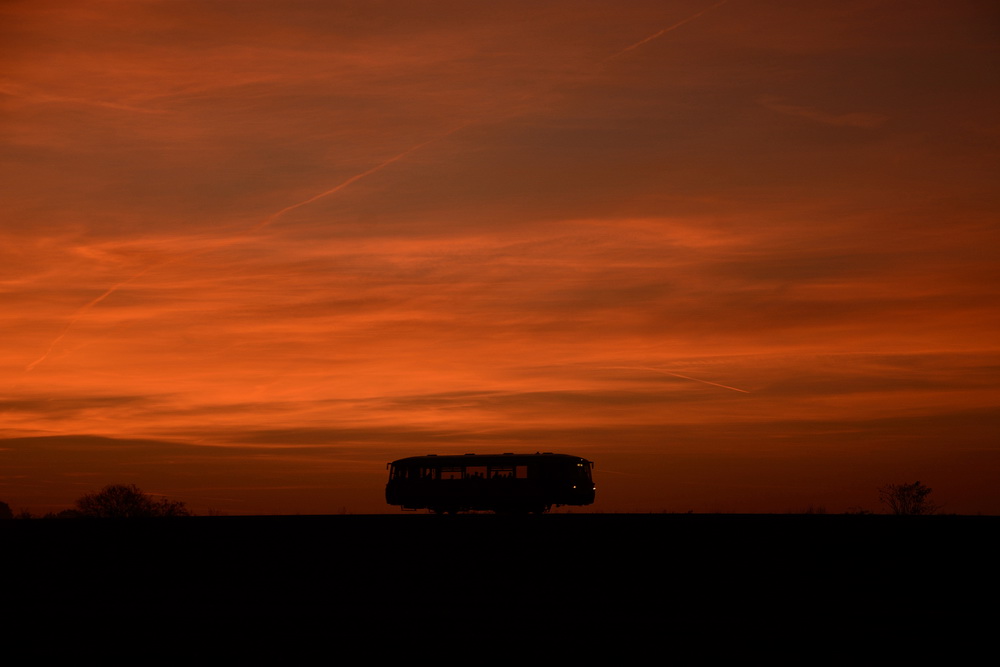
pixel 465 571
pixel 393 543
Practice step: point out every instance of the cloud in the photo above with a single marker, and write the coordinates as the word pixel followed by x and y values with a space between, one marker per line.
pixel 852 119
pixel 344 236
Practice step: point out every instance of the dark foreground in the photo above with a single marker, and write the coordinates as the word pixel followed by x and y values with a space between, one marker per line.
pixel 669 575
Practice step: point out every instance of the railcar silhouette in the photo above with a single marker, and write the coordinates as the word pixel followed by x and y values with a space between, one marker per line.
pixel 504 483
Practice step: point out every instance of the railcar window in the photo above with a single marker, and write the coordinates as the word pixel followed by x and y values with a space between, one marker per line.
pixel 451 472
pixel 501 471
pixel 475 472
pixel 521 472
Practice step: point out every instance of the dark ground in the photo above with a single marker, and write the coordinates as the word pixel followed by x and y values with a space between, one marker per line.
pixel 653 577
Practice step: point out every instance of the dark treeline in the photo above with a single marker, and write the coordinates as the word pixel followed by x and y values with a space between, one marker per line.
pixel 126 501
pixel 115 501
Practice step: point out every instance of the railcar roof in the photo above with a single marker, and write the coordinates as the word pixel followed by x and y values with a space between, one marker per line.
pixel 485 458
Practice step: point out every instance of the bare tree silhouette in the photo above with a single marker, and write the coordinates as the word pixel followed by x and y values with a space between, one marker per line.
pixel 908 499
pixel 119 501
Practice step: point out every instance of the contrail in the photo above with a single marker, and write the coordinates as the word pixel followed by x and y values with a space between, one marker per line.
pixel 663 32
pixel 357 177
pixel 678 375
pixel 80 313
pixel 260 225
pixel 354 179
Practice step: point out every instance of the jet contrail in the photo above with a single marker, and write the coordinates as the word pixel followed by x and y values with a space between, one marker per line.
pixel 260 225
pixel 353 179
pixel 663 32
pixel 80 313
pixel 677 375
pixel 350 181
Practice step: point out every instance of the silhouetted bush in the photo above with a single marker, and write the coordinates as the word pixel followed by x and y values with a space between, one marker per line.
pixel 907 499
pixel 5 512
pixel 118 501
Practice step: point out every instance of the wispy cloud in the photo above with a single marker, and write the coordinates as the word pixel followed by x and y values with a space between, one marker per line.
pixel 345 237
pixel 852 119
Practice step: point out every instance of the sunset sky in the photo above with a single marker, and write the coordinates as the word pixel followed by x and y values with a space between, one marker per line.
pixel 743 255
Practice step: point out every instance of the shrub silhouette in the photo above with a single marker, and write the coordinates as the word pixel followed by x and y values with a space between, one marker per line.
pixel 907 499
pixel 119 501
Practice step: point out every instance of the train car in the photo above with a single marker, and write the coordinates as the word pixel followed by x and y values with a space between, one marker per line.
pixel 503 483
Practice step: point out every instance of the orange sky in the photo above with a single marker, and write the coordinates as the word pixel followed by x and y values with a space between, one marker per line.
pixel 742 255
